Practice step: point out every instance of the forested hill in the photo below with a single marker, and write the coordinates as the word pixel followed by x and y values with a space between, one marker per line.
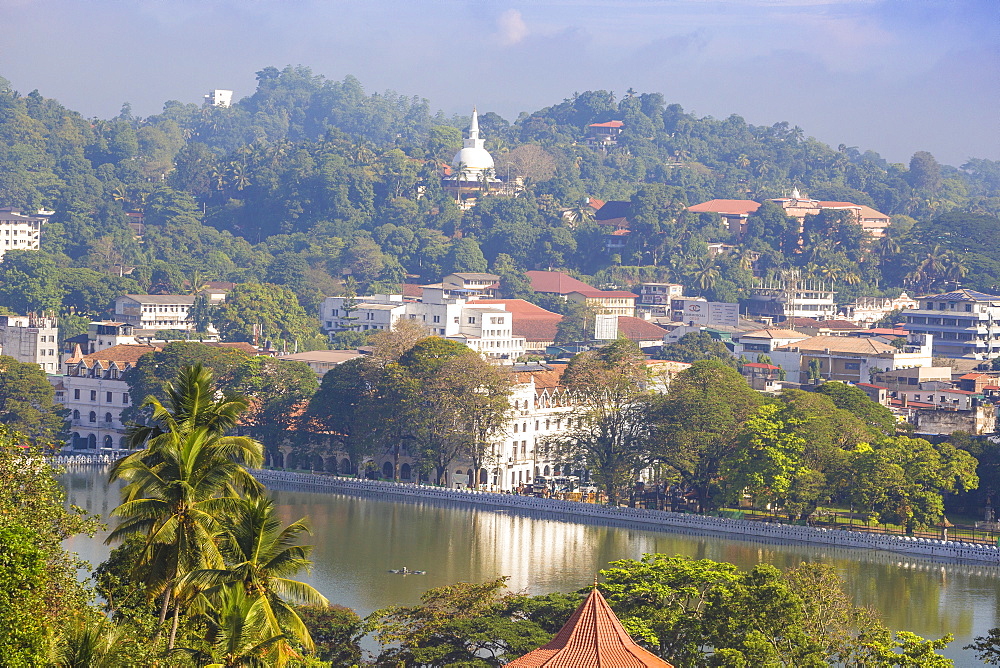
pixel 308 179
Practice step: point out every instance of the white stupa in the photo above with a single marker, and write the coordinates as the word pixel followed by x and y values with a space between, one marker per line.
pixel 473 157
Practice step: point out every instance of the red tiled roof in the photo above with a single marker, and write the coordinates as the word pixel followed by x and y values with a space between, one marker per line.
pixel 761 365
pixel 973 376
pixel 609 124
pixel 412 290
pixel 734 207
pixel 555 281
pixel 529 320
pixel 544 378
pixel 123 352
pixel 595 203
pixel 637 329
pixel 592 638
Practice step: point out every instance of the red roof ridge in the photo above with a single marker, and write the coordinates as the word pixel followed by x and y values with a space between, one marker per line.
pixel 591 638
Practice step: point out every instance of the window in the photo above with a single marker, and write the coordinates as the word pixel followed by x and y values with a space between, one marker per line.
pixel 76 415
pixel 107 417
pixel 76 394
pixel 472 320
pixel 93 416
pixel 516 427
pixel 437 318
pixel 852 366
pixel 108 398
pixel 93 394
pixel 125 397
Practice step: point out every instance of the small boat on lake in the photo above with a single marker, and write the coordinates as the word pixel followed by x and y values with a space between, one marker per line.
pixel 406 571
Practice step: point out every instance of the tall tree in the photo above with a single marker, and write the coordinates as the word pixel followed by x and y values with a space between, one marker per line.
pixel 188 475
pixel 701 421
pixel 27 403
pixel 611 432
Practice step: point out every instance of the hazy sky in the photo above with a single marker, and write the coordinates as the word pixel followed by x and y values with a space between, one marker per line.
pixel 896 76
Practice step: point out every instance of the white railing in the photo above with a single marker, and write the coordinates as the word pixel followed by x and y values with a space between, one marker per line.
pixel 929 548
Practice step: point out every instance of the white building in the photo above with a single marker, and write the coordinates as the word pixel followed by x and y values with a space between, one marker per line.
pixel 779 300
pixel 473 164
pixel 95 393
pixel 869 310
pixel 19 232
pixel 155 312
pixel 486 328
pixel 965 323
pixel 32 339
pixel 219 98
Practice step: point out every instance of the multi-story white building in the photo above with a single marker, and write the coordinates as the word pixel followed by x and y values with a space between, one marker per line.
pixel 155 311
pixel 94 391
pixel 32 339
pixel 486 328
pixel 965 323
pixel 18 231
pixel 779 300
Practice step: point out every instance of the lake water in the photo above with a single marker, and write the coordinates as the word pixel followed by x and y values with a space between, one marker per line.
pixel 358 539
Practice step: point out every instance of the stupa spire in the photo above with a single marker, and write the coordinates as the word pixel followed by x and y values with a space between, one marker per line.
pixel 474 127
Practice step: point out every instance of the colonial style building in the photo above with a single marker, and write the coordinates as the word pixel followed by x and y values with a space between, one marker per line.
pixel 965 323
pixel 31 339
pixel 94 391
pixel 736 212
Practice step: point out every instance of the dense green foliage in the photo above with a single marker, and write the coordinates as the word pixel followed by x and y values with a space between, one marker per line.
pixel 27 403
pixel 434 399
pixel 308 180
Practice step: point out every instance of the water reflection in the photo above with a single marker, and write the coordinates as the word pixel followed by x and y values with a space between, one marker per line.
pixel 359 539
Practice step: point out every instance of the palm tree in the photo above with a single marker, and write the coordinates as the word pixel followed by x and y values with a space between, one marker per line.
pixel 579 215
pixel 188 475
pixel 705 274
pixel 238 634
pixel 261 556
pixel 90 642
pixel 461 172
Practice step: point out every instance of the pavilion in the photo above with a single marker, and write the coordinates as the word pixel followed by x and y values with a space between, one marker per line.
pixel 591 638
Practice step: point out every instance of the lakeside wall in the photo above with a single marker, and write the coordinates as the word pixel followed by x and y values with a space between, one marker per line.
pixel 924 547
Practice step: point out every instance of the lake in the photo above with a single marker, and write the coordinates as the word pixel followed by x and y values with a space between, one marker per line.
pixel 358 539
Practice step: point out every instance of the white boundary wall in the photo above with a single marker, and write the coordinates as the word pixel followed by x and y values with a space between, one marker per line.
pixel 925 547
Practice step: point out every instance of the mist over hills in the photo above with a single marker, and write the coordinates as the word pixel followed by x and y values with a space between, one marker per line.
pixel 308 180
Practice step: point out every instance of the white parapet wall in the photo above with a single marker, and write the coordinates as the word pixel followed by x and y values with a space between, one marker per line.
pixel 928 548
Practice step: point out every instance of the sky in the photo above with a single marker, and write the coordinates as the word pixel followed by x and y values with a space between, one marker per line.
pixel 894 76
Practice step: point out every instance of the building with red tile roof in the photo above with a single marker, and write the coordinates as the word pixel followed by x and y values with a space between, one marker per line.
pixel 535 324
pixel 555 282
pixel 591 638
pixel 643 332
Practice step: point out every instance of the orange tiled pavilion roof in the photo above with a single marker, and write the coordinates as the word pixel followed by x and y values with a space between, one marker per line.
pixel 592 638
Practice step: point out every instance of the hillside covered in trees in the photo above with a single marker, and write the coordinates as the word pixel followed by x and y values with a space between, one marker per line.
pixel 308 180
